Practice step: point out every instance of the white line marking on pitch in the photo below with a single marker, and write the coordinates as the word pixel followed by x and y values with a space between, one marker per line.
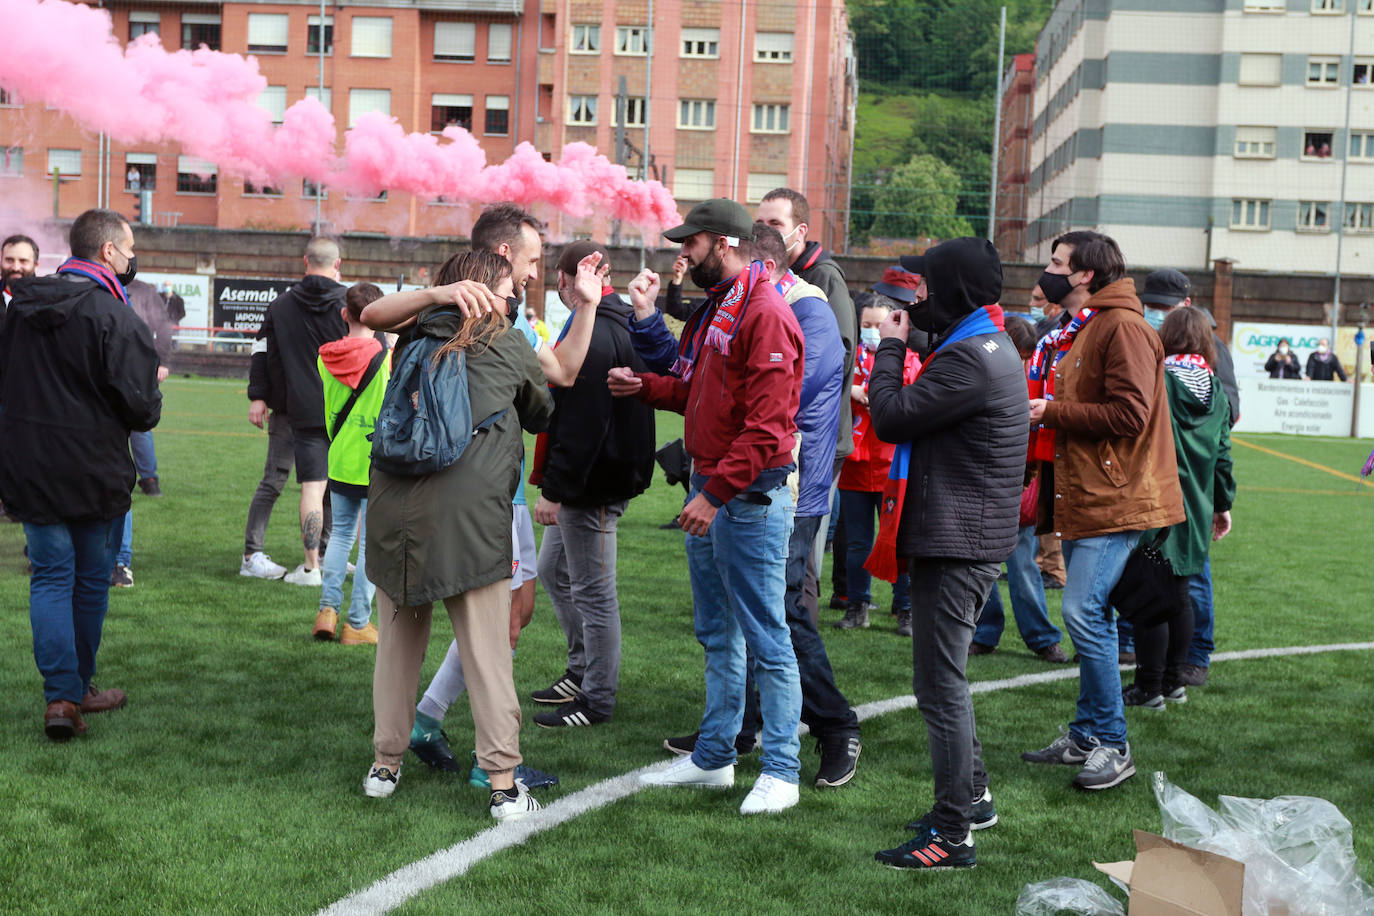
pixel 446 864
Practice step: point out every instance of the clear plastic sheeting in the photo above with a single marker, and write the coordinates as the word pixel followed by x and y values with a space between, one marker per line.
pixel 1067 896
pixel 1297 850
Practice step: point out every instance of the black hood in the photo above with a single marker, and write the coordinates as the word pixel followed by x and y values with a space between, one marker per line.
pixel 811 254
pixel 615 307
pixel 962 275
pixel 319 294
pixel 48 302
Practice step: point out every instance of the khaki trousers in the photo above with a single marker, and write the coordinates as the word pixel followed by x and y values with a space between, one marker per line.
pixel 1051 558
pixel 481 627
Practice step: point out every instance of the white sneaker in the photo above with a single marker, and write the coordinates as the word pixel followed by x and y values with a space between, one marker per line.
pixel 260 566
pixel 513 804
pixel 769 796
pixel 381 781
pixel 351 568
pixel 302 576
pixel 683 772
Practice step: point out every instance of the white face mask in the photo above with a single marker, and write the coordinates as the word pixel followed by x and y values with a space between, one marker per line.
pixel 1321 348
pixel 1283 348
pixel 785 238
pixel 870 337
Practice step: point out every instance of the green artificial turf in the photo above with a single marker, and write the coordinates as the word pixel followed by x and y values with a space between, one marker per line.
pixel 231 782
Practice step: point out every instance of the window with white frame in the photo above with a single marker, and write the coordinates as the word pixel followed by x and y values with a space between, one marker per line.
pixel 773 47
pixel 586 39
pixel 371 36
pixel 694 184
pixel 1266 6
pixel 771 119
pixel 260 190
pixel 144 23
pixel 325 97
pixel 1323 71
pixel 701 42
pixel 140 171
pixel 1362 145
pixel 1364 6
pixel 1255 142
pixel 1261 69
pixel 1359 217
pixel 1316 144
pixel 1249 214
pixel 67 161
pixel 1312 215
pixel 11 161
pixel 312 35
pixel 635 110
pixel 632 39
pixel 7 100
pixel 200 29
pixel 760 183
pixel 455 41
pixel 450 110
pixel 1328 6
pixel 312 191
pixel 696 114
pixel 582 110
pixel 498 42
pixel 267 32
pixel 1362 73
pixel 196 176
pixel 497 116
pixel 362 101
pixel 272 100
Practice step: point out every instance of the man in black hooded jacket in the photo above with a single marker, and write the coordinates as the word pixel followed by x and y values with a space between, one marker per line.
pixel 284 372
pixel 78 373
pixel 964 424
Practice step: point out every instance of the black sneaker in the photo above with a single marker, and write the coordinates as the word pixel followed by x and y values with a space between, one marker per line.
pixel 1134 696
pixel 839 759
pixel 839 603
pixel 1177 694
pixel 1192 676
pixel 149 486
pixel 566 688
pixel 982 816
pixel 855 617
pixel 122 577
pixel 1064 749
pixel 570 715
pixel 744 744
pixel 436 754
pixel 928 851
pixel 1105 767
pixel 904 622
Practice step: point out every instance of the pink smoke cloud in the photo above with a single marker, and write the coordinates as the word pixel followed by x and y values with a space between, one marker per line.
pixel 205 101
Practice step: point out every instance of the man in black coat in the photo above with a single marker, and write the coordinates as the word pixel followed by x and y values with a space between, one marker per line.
pixel 599 455
pixel 283 373
pixel 964 424
pixel 78 373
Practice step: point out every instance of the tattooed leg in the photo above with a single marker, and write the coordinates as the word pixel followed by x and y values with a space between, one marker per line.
pixel 312 521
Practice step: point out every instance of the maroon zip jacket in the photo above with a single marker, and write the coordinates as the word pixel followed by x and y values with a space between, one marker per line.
pixel 739 408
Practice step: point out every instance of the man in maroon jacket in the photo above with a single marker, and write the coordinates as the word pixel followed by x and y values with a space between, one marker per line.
pixel 737 380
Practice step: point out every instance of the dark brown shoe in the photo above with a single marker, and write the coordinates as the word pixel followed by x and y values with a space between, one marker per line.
pixel 102 700
pixel 1054 654
pixel 62 720
pixel 978 648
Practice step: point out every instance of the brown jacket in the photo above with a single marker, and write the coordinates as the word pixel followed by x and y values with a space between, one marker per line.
pixel 1114 466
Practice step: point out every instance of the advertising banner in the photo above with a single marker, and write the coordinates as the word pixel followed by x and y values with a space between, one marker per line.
pixel 241 303
pixel 1252 343
pixel 194 290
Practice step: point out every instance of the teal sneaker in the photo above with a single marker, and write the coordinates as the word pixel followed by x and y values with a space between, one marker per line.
pixel 532 778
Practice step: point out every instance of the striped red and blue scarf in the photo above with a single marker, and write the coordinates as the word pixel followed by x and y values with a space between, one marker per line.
pixel 882 561
pixel 726 302
pixel 97 272
pixel 1040 377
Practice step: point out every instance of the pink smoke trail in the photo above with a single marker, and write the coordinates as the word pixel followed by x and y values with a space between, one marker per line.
pixel 205 101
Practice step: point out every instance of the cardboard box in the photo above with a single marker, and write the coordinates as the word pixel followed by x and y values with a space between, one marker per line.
pixel 1170 879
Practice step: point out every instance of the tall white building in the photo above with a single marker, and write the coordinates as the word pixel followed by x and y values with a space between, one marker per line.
pixel 1191 130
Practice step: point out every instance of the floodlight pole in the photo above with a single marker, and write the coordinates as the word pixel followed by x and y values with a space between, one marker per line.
pixel 1345 168
pixel 997 129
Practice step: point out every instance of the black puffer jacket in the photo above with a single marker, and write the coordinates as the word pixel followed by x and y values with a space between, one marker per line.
pixel 600 448
pixel 283 371
pixel 967 418
pixel 78 371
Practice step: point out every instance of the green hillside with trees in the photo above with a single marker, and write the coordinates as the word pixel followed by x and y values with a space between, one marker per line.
pixel 924 128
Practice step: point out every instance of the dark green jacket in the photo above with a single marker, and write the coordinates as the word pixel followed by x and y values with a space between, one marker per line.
pixel 1202 442
pixel 434 537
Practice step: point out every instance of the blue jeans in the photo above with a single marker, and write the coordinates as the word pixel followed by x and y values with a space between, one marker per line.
pixel 69 593
pixel 125 555
pixel 350 517
pixel 1094 566
pixel 738 573
pixel 145 458
pixel 860 508
pixel 1027 592
pixel 1200 590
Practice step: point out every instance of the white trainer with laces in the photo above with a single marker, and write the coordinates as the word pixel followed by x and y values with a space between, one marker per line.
pixel 302 576
pixel 381 781
pixel 769 796
pixel 513 804
pixel 683 772
pixel 260 566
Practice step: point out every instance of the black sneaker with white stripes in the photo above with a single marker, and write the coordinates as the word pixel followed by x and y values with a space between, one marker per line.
pixel 566 688
pixel 570 715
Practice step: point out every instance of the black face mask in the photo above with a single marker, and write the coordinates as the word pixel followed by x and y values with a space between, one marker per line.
pixel 922 315
pixel 129 272
pixel 1056 287
pixel 709 272
pixel 512 308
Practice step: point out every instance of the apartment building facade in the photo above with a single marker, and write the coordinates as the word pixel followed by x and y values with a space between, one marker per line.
pixel 761 96
pixel 1195 130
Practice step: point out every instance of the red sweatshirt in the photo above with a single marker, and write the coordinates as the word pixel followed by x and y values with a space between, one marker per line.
pixel 740 408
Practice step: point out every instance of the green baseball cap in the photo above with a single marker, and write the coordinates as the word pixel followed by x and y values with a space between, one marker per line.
pixel 718 217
